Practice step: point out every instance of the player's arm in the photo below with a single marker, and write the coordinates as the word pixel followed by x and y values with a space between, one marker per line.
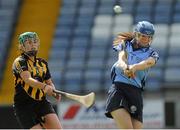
pixel 119 45
pixel 26 76
pixel 145 64
pixel 122 60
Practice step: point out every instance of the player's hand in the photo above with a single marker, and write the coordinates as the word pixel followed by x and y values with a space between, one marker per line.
pixel 57 96
pixel 48 89
pixel 130 71
pixel 132 68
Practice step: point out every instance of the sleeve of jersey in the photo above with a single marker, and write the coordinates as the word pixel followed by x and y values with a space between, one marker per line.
pixel 20 65
pixel 47 75
pixel 118 47
pixel 155 55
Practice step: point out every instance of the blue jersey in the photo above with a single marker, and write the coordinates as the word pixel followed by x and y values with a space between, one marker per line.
pixel 134 56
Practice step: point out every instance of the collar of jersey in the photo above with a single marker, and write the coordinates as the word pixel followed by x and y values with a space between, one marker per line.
pixel 27 58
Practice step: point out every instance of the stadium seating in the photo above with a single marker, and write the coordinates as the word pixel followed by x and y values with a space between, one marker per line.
pixel 7 19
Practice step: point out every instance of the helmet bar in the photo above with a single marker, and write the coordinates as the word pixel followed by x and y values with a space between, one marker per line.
pixel 143 35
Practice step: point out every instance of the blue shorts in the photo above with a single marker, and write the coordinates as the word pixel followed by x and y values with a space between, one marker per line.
pixel 125 96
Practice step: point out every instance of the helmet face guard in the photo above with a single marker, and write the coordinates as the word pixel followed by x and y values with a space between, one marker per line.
pixel 144 32
pixel 29 38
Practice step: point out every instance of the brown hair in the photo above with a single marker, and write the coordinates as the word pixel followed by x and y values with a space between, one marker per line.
pixel 125 36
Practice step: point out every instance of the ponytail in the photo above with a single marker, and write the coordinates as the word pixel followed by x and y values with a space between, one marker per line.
pixel 125 36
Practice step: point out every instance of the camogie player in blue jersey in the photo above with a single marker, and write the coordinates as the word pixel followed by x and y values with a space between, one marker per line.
pixel 128 75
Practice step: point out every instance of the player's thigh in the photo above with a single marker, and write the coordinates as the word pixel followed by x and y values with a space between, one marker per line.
pixel 52 121
pixel 137 124
pixel 122 118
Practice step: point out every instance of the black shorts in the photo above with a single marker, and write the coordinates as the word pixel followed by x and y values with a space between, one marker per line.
pixel 121 95
pixel 32 113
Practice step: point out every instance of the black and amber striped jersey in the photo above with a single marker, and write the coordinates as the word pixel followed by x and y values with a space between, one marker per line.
pixel 39 71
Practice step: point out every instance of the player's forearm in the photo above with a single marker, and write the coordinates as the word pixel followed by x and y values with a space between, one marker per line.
pixel 122 61
pixel 34 83
pixel 144 64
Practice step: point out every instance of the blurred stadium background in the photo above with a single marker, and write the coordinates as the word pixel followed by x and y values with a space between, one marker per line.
pixel 76 37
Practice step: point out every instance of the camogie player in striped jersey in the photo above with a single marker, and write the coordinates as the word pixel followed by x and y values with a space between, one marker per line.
pixel 129 74
pixel 32 83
